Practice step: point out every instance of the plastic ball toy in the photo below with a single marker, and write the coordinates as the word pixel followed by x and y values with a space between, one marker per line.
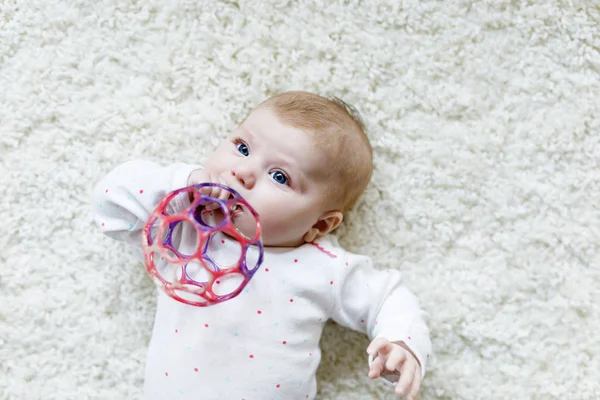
pixel 207 252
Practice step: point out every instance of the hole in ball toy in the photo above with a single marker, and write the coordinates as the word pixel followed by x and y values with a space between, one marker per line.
pixel 156 265
pixel 172 238
pixel 209 213
pixel 196 272
pixel 161 232
pixel 223 251
pixel 253 257
pixel 227 284
pixel 169 272
pixel 176 201
pixel 169 257
pixel 191 293
pixel 243 219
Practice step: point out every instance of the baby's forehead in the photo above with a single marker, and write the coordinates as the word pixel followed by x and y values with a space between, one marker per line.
pixel 295 142
pixel 309 156
pixel 315 162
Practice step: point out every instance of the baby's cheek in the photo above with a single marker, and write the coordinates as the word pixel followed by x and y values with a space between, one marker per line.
pixel 283 220
pixel 246 224
pixel 283 227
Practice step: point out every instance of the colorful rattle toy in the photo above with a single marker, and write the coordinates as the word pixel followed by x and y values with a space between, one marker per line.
pixel 182 255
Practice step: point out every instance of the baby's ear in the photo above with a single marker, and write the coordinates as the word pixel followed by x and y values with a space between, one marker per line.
pixel 326 223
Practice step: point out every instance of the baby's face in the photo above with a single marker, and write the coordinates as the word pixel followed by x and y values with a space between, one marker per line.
pixel 279 172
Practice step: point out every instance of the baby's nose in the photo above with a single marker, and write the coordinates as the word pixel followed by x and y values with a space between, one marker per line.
pixel 245 178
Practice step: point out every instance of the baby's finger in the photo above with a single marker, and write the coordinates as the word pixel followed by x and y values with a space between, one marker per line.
pixel 416 385
pixel 206 190
pixel 380 345
pixel 376 368
pixel 407 373
pixel 224 194
pixel 395 359
pixel 214 190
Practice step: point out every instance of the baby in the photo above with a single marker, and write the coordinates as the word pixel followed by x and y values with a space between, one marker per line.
pixel 301 161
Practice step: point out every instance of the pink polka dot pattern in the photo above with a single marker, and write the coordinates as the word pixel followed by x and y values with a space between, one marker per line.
pixel 270 310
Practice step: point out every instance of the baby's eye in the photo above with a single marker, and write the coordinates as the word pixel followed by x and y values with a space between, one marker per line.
pixel 280 177
pixel 242 148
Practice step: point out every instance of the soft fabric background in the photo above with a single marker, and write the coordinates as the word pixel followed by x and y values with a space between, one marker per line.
pixel 484 117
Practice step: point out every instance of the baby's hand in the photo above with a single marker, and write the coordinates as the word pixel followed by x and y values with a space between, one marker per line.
pixel 205 176
pixel 394 358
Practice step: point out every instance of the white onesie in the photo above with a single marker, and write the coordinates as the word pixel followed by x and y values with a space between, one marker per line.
pixel 264 343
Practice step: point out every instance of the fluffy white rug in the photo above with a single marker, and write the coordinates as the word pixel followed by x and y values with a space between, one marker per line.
pixel 484 116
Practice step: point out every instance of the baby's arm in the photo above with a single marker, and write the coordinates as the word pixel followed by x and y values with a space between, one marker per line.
pixel 125 198
pixel 378 303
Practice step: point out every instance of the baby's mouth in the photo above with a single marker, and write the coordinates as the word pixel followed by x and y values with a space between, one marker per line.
pixel 236 210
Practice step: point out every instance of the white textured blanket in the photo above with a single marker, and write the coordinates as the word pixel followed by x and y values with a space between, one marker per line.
pixel 485 120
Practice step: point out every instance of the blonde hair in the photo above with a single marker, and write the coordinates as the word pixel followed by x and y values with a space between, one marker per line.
pixel 338 129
